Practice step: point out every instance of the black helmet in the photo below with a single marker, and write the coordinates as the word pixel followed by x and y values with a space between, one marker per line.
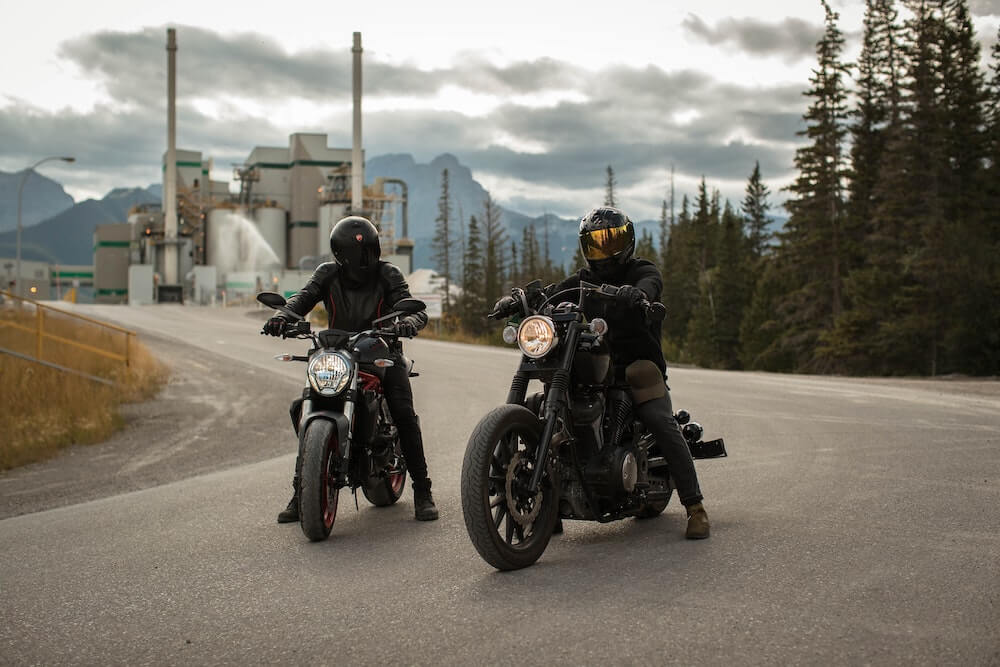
pixel 354 243
pixel 607 240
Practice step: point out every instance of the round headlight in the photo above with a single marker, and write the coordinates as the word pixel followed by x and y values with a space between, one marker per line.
pixel 329 373
pixel 537 336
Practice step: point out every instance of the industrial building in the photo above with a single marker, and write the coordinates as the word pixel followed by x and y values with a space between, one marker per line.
pixel 205 242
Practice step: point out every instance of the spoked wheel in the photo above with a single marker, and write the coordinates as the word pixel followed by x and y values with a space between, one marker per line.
pixel 509 526
pixel 319 494
pixel 386 487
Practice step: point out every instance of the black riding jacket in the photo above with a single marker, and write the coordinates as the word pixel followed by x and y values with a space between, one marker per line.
pixel 353 308
pixel 629 336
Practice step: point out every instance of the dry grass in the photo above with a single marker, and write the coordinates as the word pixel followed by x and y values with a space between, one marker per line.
pixel 43 409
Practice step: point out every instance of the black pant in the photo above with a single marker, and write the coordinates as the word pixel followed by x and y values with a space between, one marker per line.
pixel 399 397
pixel 657 415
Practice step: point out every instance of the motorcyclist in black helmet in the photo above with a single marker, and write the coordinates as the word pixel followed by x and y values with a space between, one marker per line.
pixel 607 242
pixel 357 288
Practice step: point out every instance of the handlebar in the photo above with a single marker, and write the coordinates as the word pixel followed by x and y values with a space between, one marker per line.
pixel 654 311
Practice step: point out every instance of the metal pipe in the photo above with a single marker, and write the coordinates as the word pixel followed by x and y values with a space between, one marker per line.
pixel 170 263
pixel 357 166
pixel 402 184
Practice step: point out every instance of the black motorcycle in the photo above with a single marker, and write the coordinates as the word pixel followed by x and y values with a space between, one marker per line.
pixel 571 451
pixel 346 434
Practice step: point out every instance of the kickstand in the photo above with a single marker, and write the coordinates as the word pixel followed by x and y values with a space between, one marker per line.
pixel 355 491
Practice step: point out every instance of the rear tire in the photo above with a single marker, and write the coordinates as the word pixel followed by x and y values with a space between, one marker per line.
pixel 318 496
pixel 505 435
pixel 384 491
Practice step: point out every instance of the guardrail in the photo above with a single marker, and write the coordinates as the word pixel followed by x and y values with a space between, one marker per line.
pixel 41 334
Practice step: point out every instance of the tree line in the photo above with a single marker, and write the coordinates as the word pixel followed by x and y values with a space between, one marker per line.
pixel 889 262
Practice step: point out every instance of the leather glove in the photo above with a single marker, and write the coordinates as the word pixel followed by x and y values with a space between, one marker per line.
pixel 503 307
pixel 275 326
pixel 405 328
pixel 630 295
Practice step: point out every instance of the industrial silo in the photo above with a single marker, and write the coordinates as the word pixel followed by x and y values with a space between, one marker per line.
pixel 329 215
pixel 271 223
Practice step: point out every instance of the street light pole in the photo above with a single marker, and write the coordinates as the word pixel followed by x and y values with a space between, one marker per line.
pixel 20 190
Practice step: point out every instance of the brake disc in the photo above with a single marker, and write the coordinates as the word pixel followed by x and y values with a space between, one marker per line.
pixel 522 517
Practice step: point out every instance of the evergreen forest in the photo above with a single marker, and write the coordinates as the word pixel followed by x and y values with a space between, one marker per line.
pixel 889 261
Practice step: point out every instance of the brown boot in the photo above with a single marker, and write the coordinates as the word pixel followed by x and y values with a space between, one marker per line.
pixel 697 528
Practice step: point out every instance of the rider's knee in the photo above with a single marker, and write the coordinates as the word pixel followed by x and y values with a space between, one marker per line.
pixel 645 380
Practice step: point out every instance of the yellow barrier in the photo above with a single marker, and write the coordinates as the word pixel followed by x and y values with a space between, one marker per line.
pixel 41 335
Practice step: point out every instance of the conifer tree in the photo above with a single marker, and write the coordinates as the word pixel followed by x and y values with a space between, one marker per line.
pixel 680 277
pixel 474 303
pixel 444 241
pixel 812 251
pixel 645 247
pixel 754 208
pixel 495 244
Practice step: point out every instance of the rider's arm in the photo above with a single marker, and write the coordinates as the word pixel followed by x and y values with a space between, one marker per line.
pixel 306 298
pixel 398 289
pixel 647 278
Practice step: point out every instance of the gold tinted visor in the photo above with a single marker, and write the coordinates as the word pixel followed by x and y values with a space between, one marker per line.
pixel 605 243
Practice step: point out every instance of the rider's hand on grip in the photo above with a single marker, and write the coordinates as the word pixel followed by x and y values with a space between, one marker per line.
pixel 275 326
pixel 503 307
pixel 405 328
pixel 630 295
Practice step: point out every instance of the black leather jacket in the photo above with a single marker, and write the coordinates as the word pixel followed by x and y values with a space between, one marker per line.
pixel 353 308
pixel 629 336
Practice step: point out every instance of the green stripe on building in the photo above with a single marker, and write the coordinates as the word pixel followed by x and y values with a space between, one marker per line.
pixel 303 223
pixel 112 244
pixel 183 164
pixel 72 274
pixel 297 163
pixel 107 292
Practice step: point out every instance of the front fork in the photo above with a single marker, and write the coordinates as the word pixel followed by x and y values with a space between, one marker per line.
pixel 555 402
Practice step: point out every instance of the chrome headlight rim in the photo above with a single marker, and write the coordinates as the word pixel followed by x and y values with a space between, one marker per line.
pixel 549 328
pixel 340 374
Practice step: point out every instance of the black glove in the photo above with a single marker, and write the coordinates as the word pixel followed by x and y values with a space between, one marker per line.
pixel 630 295
pixel 406 327
pixel 275 326
pixel 503 307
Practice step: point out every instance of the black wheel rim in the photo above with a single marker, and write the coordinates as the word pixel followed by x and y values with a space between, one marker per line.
pixel 512 447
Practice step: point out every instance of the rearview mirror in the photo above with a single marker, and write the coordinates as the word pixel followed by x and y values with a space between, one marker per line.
pixel 271 299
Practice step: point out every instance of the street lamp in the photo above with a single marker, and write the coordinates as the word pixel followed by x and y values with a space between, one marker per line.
pixel 20 191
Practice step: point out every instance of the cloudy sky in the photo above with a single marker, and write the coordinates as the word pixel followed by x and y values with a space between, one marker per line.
pixel 537 97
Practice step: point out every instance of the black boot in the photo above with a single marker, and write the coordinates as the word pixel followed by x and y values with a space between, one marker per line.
pixel 291 513
pixel 423 502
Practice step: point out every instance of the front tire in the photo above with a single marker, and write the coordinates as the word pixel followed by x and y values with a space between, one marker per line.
pixel 498 461
pixel 318 494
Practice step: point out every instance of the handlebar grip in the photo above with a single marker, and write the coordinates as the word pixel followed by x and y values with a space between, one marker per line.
pixel 655 311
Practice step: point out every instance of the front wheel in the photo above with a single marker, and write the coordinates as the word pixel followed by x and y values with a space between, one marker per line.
pixel 319 494
pixel 509 527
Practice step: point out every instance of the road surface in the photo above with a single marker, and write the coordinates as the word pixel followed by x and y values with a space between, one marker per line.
pixel 855 522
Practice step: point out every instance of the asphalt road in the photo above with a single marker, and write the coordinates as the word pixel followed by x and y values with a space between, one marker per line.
pixel 855 522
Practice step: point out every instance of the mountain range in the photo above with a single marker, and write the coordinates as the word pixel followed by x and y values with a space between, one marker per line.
pixel 62 232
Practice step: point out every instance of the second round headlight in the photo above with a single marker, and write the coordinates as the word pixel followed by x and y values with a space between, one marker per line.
pixel 537 336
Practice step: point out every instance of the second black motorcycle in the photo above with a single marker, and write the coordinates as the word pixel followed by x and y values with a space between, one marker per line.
pixel 574 450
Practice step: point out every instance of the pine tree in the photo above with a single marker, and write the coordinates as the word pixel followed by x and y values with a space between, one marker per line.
pixel 495 242
pixel 609 188
pixel 474 302
pixel 645 248
pixel 755 207
pixel 444 241
pixel 812 249
pixel 680 277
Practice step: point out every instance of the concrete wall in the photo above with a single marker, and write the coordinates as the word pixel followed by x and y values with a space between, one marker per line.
pixel 111 261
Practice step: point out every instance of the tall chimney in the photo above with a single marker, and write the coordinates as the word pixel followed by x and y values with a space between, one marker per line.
pixel 170 258
pixel 357 166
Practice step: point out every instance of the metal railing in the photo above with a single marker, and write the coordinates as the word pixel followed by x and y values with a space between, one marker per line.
pixel 41 334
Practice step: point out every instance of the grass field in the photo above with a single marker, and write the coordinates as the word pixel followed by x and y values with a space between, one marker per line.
pixel 43 409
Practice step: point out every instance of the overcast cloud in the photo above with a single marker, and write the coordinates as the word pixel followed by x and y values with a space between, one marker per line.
pixel 539 131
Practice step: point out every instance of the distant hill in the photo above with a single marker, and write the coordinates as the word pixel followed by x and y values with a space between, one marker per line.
pixel 467 194
pixel 68 237
pixel 42 198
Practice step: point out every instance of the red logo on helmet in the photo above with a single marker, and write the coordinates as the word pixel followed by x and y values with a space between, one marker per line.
pixel 359 237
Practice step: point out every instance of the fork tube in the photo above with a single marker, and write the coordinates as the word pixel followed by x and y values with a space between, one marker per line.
pixel 349 408
pixel 554 403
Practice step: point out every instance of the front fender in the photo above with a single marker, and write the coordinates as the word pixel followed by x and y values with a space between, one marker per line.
pixel 338 418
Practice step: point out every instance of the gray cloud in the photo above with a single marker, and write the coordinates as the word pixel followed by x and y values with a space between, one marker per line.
pixel 628 119
pixel 793 38
pixel 985 7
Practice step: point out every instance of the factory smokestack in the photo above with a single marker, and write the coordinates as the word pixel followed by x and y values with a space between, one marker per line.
pixel 170 259
pixel 357 166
